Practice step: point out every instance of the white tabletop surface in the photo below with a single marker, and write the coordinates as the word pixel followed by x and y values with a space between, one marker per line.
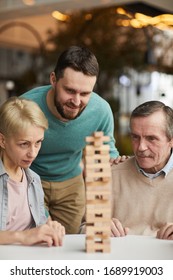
pixel 122 248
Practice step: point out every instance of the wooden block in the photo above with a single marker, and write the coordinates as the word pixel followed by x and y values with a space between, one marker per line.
pixel 99 185
pixel 104 151
pixel 91 219
pixel 97 231
pixel 92 230
pixel 97 158
pixel 98 218
pixel 98 192
pixel 92 180
pixel 89 150
pixel 94 218
pixel 98 197
pixel 97 174
pixel 91 216
pixel 96 206
pixel 98 134
pixel 92 246
pixel 98 210
pixel 94 189
pixel 98 143
pixel 89 180
pixel 99 236
pixel 98 189
pixel 102 148
pixel 105 179
pixel 98 239
pixel 94 241
pixel 104 225
pixel 98 165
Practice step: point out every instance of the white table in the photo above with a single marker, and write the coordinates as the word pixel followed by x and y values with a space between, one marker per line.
pixel 123 248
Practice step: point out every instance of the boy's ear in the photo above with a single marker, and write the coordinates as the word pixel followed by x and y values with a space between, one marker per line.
pixel 2 141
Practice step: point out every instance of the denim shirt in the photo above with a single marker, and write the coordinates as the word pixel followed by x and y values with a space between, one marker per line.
pixel 35 197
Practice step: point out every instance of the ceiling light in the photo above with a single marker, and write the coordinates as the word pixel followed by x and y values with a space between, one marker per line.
pixel 60 16
pixel 29 2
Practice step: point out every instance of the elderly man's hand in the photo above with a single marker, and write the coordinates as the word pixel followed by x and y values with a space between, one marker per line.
pixel 117 230
pixel 166 232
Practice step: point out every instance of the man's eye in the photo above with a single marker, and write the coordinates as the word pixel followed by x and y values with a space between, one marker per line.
pixel 85 93
pixel 151 138
pixel 134 137
pixel 70 90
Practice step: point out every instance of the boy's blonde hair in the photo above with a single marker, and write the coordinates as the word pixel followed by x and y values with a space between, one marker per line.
pixel 16 114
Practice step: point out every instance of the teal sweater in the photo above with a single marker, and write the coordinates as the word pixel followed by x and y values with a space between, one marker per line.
pixel 61 152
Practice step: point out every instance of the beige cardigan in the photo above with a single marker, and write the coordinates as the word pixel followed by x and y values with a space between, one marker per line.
pixel 141 204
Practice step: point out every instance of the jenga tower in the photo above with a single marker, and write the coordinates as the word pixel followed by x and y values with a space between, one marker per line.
pixel 98 193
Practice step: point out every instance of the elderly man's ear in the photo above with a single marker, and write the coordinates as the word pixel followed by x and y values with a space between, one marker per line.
pixel 171 143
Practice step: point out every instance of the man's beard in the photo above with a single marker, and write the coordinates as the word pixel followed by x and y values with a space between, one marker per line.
pixel 67 115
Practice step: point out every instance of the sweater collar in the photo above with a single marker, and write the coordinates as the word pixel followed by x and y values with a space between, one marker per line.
pixel 165 170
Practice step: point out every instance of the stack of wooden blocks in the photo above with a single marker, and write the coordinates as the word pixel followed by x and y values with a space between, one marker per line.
pixel 98 193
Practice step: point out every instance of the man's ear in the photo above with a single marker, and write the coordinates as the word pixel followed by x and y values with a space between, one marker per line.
pixel 171 143
pixel 2 141
pixel 52 79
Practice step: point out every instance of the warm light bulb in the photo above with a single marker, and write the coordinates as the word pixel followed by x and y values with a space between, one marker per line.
pixel 29 2
pixel 60 16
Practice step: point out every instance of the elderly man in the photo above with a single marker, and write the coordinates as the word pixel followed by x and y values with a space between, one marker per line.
pixel 143 185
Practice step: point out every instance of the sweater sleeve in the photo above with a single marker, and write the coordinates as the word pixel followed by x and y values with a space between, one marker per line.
pixel 108 129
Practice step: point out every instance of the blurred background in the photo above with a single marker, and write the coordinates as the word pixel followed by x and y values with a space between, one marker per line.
pixel 132 40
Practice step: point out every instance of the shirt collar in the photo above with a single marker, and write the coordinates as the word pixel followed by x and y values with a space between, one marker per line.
pixel 2 169
pixel 165 170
